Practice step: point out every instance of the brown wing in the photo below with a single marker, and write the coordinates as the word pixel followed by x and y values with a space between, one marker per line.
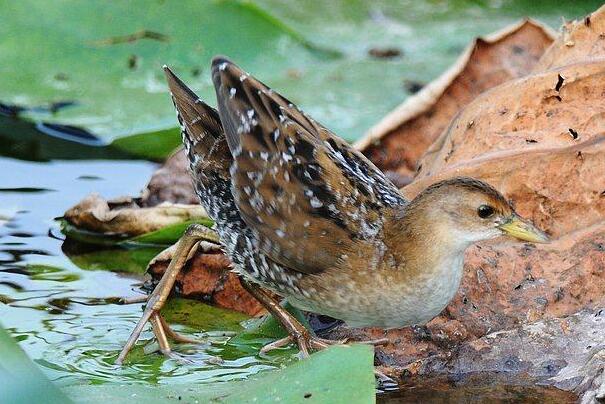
pixel 308 195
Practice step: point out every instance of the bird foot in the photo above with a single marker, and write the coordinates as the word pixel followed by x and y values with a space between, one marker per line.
pixel 161 330
pixel 133 300
pixel 179 255
pixel 306 343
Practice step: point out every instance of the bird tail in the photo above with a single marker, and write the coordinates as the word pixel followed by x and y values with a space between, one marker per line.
pixel 203 135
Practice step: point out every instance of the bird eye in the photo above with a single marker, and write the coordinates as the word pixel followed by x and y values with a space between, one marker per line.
pixel 485 211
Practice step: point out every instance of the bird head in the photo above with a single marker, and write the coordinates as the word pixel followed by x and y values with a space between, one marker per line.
pixel 467 210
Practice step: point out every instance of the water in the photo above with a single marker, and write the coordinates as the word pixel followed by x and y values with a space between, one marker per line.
pixel 477 388
pixel 63 315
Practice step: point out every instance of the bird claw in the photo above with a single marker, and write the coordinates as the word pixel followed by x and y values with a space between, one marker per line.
pixel 134 300
pixel 306 343
pixel 161 330
pixel 195 236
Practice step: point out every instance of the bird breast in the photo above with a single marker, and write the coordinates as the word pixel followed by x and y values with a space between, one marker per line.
pixel 399 304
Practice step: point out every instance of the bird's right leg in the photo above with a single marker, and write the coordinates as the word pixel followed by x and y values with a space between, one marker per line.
pixel 190 239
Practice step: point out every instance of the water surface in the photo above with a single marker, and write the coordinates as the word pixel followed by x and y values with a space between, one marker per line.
pixel 64 313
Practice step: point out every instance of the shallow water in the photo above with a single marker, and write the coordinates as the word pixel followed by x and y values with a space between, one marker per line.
pixel 63 315
pixel 477 391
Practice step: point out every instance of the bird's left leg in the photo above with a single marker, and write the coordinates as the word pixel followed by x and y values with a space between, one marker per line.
pixel 194 234
pixel 297 332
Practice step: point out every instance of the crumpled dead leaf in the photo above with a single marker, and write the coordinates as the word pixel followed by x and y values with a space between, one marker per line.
pixel 540 139
pixel 207 277
pixel 124 216
pixel 171 183
pixel 397 142
pixel 580 40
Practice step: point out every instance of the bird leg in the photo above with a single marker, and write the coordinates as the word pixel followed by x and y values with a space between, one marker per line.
pixel 296 331
pixel 188 242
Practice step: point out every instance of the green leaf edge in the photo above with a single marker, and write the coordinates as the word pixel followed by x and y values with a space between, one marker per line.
pixel 21 381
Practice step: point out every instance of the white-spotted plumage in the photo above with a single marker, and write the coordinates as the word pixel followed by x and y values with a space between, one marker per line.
pixel 223 194
pixel 302 213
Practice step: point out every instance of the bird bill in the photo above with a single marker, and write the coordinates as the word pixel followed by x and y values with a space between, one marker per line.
pixel 523 230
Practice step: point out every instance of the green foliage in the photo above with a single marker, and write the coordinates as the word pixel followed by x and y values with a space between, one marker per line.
pixel 202 316
pixel 118 259
pixel 261 331
pixel 20 380
pixel 107 57
pixel 165 236
pixel 97 251
pixel 89 237
pixel 339 374
pixel 154 145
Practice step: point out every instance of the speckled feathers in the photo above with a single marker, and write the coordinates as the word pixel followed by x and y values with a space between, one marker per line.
pixel 302 213
pixel 309 197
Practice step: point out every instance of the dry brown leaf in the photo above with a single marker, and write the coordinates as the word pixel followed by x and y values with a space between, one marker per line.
pixel 561 189
pixel 123 216
pixel 397 142
pixel 171 182
pixel 207 277
pixel 580 40
pixel 545 110
pixel 539 139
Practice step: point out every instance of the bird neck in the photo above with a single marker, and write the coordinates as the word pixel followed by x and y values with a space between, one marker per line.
pixel 422 240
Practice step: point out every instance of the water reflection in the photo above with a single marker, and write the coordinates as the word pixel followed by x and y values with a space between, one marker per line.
pixel 60 300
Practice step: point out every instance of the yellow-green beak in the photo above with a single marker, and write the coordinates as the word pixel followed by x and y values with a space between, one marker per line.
pixel 523 230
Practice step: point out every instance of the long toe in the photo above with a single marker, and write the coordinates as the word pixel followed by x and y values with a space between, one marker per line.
pixel 280 343
pixel 175 336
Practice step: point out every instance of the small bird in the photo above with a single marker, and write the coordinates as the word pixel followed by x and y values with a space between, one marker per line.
pixel 303 214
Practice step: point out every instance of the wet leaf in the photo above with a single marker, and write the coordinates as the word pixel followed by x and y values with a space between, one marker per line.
pixel 131 260
pixel 89 237
pixel 202 316
pixel 338 374
pixel 154 145
pixel 71 56
pixel 166 235
pixel 20 379
pixel 261 331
